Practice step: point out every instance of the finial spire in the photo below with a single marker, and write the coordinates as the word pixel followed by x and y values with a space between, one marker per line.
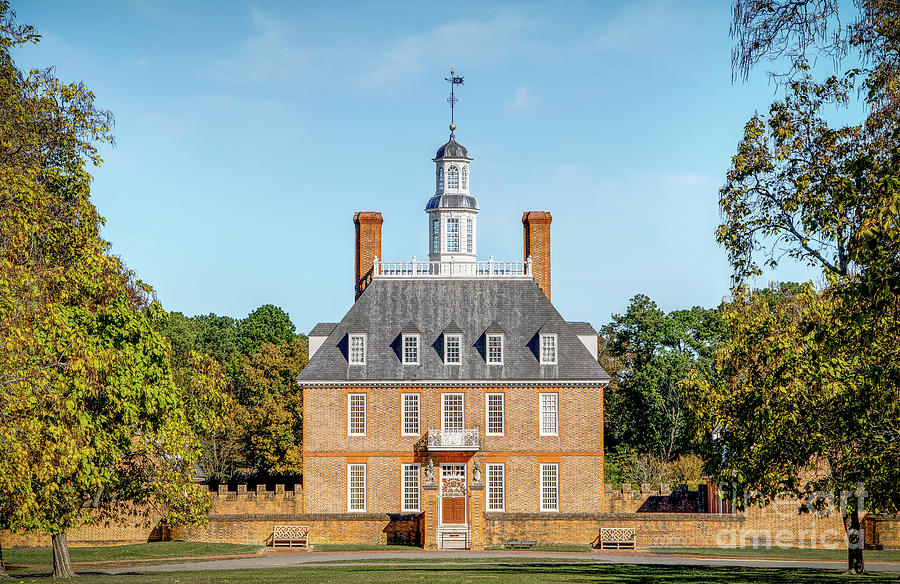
pixel 453 81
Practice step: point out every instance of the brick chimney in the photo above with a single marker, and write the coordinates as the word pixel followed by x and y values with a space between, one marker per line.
pixel 368 245
pixel 537 245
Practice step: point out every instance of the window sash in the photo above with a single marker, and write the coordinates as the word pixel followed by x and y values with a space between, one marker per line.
pixel 549 487
pixel 357 349
pixel 453 417
pixel 549 414
pixel 410 487
pixel 496 488
pixel 452 349
pixel 453 234
pixel 410 349
pixel 548 349
pixel 453 177
pixel 494 405
pixel 465 177
pixel 495 349
pixel 470 235
pixel 356 414
pixel 356 487
pixel 436 236
pixel 410 414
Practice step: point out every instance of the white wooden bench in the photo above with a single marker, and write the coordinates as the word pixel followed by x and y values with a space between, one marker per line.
pixel 617 538
pixel 290 535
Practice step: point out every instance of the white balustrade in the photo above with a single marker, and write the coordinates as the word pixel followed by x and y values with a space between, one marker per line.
pixel 440 439
pixel 452 269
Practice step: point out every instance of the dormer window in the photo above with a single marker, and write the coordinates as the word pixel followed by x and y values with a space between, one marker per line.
pixel 495 349
pixel 410 349
pixel 453 177
pixel 452 349
pixel 357 349
pixel 548 349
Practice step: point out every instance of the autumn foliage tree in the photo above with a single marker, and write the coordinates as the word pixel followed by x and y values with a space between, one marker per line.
pixel 806 395
pixel 91 415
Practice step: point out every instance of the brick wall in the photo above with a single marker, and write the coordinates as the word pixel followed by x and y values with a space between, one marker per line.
pixel 375 528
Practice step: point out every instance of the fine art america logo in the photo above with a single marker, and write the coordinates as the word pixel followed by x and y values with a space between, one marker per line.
pixel 786 514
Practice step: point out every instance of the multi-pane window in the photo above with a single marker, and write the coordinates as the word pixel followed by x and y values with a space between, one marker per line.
pixel 411 414
pixel 465 177
pixel 496 489
pixel 549 414
pixel 435 236
pixel 356 487
pixel 453 234
pixel 452 346
pixel 548 349
pixel 410 349
pixel 470 235
pixel 494 408
pixel 357 349
pixel 356 414
pixel 410 487
pixel 452 418
pixel 495 349
pixel 440 179
pixel 549 487
pixel 453 177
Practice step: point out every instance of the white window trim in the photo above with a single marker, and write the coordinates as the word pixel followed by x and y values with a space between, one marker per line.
pixel 548 509
pixel 447 232
pixel 541 414
pixel 458 337
pixel 487 348
pixel 365 348
pixel 350 414
pixel 365 476
pixel 487 498
pixel 462 409
pixel 403 469
pixel 555 349
pixel 403 340
pixel 403 431
pixel 487 425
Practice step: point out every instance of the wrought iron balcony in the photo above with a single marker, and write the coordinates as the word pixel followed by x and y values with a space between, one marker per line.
pixel 456 269
pixel 439 439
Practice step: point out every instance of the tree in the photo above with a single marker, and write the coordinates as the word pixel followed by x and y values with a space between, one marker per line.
pixel 91 416
pixel 816 369
pixel 651 353
pixel 266 324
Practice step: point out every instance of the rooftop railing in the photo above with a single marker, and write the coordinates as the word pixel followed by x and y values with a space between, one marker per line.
pixel 452 269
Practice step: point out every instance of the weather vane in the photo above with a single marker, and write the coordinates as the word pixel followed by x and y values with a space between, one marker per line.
pixel 453 81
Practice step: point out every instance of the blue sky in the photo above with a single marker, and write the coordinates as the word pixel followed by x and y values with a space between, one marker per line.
pixel 249 133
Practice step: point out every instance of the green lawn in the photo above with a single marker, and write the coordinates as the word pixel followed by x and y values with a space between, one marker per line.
pixel 126 553
pixel 499 573
pixel 781 553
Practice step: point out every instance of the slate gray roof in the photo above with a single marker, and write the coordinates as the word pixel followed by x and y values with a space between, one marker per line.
pixel 445 201
pixel 452 149
pixel 323 329
pixel 581 328
pixel 518 307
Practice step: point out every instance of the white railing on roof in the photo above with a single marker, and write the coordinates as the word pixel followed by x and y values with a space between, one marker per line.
pixel 452 269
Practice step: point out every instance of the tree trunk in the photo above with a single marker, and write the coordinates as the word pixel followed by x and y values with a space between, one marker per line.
pixel 62 565
pixel 3 574
pixel 855 543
